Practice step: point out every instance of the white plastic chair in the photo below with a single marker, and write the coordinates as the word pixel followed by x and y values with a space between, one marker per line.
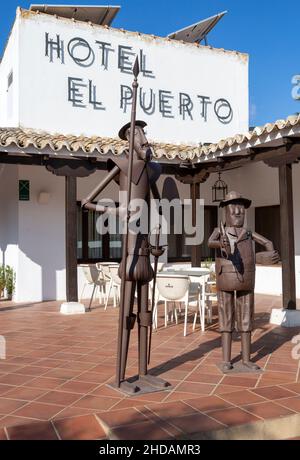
pixel 174 288
pixel 114 284
pixel 93 276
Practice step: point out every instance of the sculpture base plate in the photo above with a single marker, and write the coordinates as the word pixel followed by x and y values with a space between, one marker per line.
pixel 140 385
pixel 239 368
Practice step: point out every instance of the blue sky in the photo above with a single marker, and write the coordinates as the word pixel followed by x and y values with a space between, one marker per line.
pixel 268 30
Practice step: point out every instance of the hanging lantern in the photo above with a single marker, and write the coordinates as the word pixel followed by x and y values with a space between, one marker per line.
pixel 219 190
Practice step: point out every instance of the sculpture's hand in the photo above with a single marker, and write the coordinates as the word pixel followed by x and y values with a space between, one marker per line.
pixel 225 244
pixel 267 257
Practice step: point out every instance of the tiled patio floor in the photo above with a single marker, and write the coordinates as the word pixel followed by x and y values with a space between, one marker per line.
pixel 53 382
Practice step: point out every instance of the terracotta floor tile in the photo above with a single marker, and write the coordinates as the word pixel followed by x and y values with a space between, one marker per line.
pixel 248 382
pixel 204 378
pixel 208 403
pixel 61 373
pixel 38 411
pixel 45 382
pixel 268 410
pixel 96 402
pixel 12 420
pixel 273 392
pixel 195 423
pixel 15 379
pixel 33 370
pixel 141 431
pixel 9 405
pixel 75 386
pixel 62 398
pixel 179 396
pixel 72 411
pixel 114 418
pixel 241 398
pixel 36 431
pixel 80 428
pixel 92 377
pixel 233 416
pixel 295 387
pixel 105 390
pixel 169 410
pixel 5 388
pixel 24 393
pixel 223 389
pixel 292 403
pixel 198 388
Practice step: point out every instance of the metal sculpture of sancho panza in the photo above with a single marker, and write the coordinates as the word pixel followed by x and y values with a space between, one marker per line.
pixel 137 176
pixel 235 276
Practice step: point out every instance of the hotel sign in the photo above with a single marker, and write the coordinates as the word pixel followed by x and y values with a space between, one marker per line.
pixel 78 80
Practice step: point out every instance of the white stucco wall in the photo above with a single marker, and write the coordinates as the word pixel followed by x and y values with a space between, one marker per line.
pixel 90 87
pixel 9 96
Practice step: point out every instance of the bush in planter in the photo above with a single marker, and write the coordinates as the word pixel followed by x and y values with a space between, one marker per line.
pixel 10 281
pixel 2 280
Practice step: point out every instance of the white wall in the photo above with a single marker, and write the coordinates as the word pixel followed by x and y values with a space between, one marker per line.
pixel 9 216
pixel 47 87
pixel 9 97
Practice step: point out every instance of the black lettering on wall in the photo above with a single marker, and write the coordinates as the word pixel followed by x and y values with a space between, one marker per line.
pixel 124 63
pixel 54 46
pixel 93 97
pixel 150 108
pixel 223 110
pixel 105 50
pixel 74 94
pixel 77 45
pixel 143 66
pixel 126 97
pixel 204 102
pixel 185 105
pixel 164 103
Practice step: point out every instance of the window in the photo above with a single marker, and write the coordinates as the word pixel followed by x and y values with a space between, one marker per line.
pixel 92 246
pixel 267 223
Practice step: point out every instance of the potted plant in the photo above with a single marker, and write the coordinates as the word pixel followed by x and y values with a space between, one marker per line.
pixel 2 280
pixel 10 277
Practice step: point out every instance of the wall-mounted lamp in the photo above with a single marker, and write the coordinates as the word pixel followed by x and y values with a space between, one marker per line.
pixel 43 198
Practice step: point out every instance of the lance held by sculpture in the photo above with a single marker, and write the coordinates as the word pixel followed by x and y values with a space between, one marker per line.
pixel 136 175
pixel 235 275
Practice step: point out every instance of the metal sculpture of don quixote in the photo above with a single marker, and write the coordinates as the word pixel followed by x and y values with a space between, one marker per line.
pixel 235 275
pixel 136 176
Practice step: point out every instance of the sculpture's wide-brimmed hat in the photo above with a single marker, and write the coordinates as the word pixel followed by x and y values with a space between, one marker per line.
pixel 234 197
pixel 122 132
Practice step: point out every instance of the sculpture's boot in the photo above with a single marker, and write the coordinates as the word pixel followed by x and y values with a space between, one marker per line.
pixel 246 350
pixel 226 348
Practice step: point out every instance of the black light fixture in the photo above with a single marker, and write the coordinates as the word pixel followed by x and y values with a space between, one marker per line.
pixel 219 190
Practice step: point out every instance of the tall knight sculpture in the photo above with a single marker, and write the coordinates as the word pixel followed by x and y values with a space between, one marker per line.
pixel 235 275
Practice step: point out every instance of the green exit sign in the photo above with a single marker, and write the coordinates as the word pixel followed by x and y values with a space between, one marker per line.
pixel 24 190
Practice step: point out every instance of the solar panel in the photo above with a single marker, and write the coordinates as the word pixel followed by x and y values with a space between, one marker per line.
pixel 197 32
pixel 97 14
